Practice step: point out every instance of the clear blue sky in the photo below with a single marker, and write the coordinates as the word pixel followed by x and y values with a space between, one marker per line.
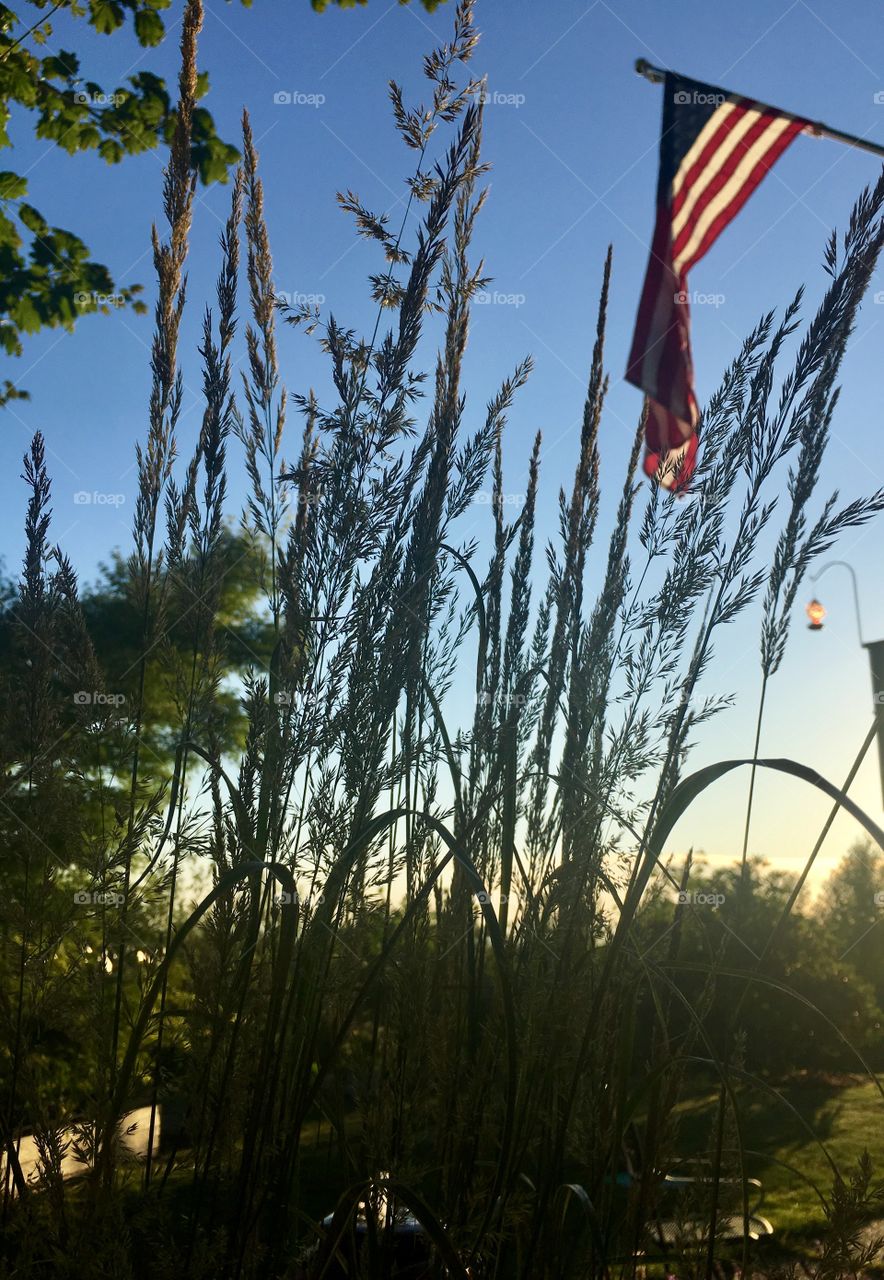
pixel 573 140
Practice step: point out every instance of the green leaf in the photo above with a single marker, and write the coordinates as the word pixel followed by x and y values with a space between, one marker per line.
pixel 26 316
pixel 212 159
pixel 9 236
pixel 60 66
pixel 12 187
pixel 105 16
pixel 10 391
pixel 149 28
pixel 111 151
pixel 33 220
pixel 9 339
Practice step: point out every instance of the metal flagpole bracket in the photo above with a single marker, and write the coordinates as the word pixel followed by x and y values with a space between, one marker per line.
pixel 654 74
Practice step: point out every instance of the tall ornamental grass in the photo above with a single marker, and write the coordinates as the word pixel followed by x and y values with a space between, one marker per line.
pixel 413 976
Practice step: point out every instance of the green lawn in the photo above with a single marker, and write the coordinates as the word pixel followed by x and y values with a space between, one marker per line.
pixel 845 1119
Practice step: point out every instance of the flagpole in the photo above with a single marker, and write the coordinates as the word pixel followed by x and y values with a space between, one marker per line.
pixel 814 127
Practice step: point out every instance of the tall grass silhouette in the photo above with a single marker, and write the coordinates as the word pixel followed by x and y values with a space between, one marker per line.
pixel 419 940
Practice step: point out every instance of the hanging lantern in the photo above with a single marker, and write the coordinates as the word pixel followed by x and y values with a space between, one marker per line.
pixel 816 613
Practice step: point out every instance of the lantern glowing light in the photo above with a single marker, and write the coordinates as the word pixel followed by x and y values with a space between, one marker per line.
pixel 816 613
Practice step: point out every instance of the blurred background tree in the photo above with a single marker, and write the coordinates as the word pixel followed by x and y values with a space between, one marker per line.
pixel 243 639
pixel 826 956
pixel 852 910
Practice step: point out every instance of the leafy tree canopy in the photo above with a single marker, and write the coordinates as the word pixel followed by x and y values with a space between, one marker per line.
pixel 243 639
pixel 807 1002
pixel 47 277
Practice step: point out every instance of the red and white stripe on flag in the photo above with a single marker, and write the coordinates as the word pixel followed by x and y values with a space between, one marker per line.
pixel 715 148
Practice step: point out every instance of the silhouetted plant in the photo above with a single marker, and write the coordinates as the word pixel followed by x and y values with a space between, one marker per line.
pixel 425 931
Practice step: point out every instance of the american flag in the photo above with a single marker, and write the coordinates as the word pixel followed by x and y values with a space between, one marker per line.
pixel 715 149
